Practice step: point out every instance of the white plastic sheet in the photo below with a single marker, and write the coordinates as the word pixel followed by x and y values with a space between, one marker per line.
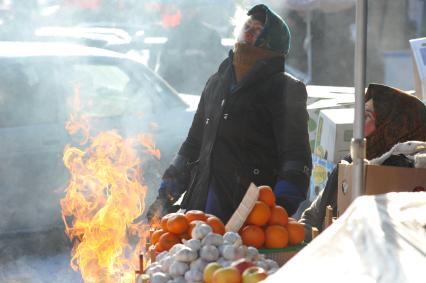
pixel 378 239
pixel 323 5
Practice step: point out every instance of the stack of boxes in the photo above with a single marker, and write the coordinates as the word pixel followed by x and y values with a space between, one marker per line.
pixel 331 116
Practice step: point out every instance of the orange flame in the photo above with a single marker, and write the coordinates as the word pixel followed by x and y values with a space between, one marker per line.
pixel 104 195
pixel 77 121
pixel 74 125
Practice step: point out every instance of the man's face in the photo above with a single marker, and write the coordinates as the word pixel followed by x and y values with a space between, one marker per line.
pixel 370 118
pixel 250 32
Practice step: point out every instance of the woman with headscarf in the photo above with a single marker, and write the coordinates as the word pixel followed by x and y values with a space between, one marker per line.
pixel 391 116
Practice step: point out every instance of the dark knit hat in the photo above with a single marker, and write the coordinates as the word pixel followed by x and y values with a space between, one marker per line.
pixel 276 34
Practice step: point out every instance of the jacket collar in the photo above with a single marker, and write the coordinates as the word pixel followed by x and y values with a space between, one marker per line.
pixel 260 71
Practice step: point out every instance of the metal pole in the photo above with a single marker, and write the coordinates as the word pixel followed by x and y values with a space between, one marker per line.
pixel 358 142
pixel 309 45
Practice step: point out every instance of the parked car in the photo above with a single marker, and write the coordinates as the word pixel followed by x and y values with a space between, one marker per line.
pixel 38 85
pixel 90 36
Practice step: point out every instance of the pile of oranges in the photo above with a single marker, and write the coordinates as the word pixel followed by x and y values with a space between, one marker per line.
pixel 178 226
pixel 268 225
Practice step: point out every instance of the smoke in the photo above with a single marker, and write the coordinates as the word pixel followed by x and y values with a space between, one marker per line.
pixel 238 20
pixel 183 45
pixel 36 257
pixel 36 269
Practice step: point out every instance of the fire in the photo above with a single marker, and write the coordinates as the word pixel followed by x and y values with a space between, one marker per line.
pixel 78 122
pixel 104 195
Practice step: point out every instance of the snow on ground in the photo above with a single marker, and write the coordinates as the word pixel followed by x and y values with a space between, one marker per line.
pixel 30 269
pixel 36 257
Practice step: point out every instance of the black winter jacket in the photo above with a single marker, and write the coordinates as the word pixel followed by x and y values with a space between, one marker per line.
pixel 251 131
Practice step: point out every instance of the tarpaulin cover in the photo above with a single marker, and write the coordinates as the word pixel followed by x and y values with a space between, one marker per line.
pixel 379 238
pixel 324 5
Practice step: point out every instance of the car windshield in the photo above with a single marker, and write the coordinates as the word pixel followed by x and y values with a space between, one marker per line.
pixel 101 89
pixel 93 88
pixel 26 97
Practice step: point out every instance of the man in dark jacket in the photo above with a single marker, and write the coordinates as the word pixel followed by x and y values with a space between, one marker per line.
pixel 250 126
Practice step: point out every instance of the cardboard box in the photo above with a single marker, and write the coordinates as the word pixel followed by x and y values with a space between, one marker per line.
pixel 418 50
pixel 321 170
pixel 240 215
pixel 322 91
pixel 325 97
pixel 334 134
pixel 379 180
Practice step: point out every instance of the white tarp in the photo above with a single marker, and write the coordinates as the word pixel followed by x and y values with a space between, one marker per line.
pixel 323 5
pixel 378 239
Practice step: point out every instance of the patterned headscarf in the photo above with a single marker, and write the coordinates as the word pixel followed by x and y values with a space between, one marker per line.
pixel 400 117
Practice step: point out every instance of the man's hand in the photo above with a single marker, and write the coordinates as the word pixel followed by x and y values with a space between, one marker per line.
pixel 173 184
pixel 157 209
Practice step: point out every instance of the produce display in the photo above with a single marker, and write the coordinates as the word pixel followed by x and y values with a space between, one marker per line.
pixel 176 227
pixel 193 247
pixel 268 225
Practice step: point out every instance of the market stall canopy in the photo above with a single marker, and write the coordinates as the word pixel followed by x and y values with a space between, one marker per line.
pixel 378 239
pixel 327 6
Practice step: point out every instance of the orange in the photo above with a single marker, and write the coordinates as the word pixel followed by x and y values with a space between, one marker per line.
pixel 216 224
pixel 158 248
pixel 260 214
pixel 156 236
pixel 192 215
pixel 296 233
pixel 276 237
pixel 177 223
pixel 266 195
pixel 279 216
pixel 164 220
pixel 168 240
pixel 253 235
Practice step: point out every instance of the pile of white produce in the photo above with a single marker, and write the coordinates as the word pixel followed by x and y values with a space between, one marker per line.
pixel 186 262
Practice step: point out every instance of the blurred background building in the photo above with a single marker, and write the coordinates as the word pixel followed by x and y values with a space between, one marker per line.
pixel 322 34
